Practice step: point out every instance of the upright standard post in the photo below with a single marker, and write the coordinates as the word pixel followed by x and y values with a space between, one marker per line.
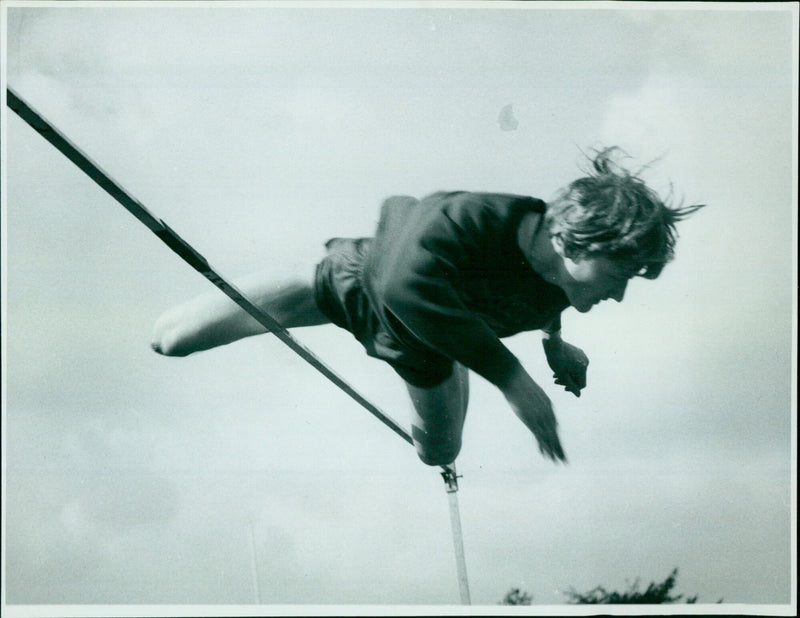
pixel 451 483
pixel 199 263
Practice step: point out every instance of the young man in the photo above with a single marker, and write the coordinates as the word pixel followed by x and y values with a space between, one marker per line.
pixel 446 277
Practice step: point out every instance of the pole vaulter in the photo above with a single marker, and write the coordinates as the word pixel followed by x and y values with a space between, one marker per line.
pixel 199 263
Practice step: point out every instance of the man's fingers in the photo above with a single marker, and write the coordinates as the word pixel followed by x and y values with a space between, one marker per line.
pixel 558 450
pixel 579 377
pixel 568 383
pixel 564 379
pixel 553 451
pixel 549 444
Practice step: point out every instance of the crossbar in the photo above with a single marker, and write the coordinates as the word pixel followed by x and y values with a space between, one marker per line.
pixel 187 252
pixel 200 264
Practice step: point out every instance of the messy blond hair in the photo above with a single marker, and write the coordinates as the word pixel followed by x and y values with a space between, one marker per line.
pixel 611 212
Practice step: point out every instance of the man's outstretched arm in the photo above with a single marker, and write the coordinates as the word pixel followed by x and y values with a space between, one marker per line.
pixel 532 406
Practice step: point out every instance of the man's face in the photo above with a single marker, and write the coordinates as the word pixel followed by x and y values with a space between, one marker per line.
pixel 587 281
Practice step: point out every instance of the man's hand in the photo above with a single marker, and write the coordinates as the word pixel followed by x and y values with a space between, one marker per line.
pixel 532 405
pixel 568 363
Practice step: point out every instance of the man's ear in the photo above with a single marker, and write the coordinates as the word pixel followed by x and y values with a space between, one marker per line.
pixel 558 245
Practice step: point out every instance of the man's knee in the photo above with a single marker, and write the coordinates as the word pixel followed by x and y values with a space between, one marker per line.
pixel 440 412
pixel 437 458
pixel 435 453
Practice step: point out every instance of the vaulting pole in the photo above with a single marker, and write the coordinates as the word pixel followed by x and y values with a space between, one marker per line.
pixel 199 263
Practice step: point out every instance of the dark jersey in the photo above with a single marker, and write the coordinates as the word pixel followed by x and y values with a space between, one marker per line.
pixel 446 273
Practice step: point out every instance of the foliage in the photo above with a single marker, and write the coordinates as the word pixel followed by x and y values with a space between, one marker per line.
pixel 515 596
pixel 656 593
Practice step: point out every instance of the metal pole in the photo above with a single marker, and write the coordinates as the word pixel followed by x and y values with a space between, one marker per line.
pixel 199 263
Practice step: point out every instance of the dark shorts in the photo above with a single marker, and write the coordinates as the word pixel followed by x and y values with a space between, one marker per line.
pixel 340 295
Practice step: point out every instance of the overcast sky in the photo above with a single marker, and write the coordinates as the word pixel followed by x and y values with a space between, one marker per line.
pixel 257 133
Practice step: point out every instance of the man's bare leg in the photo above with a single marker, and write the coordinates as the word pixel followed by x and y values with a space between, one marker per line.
pixel 213 319
pixel 438 419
